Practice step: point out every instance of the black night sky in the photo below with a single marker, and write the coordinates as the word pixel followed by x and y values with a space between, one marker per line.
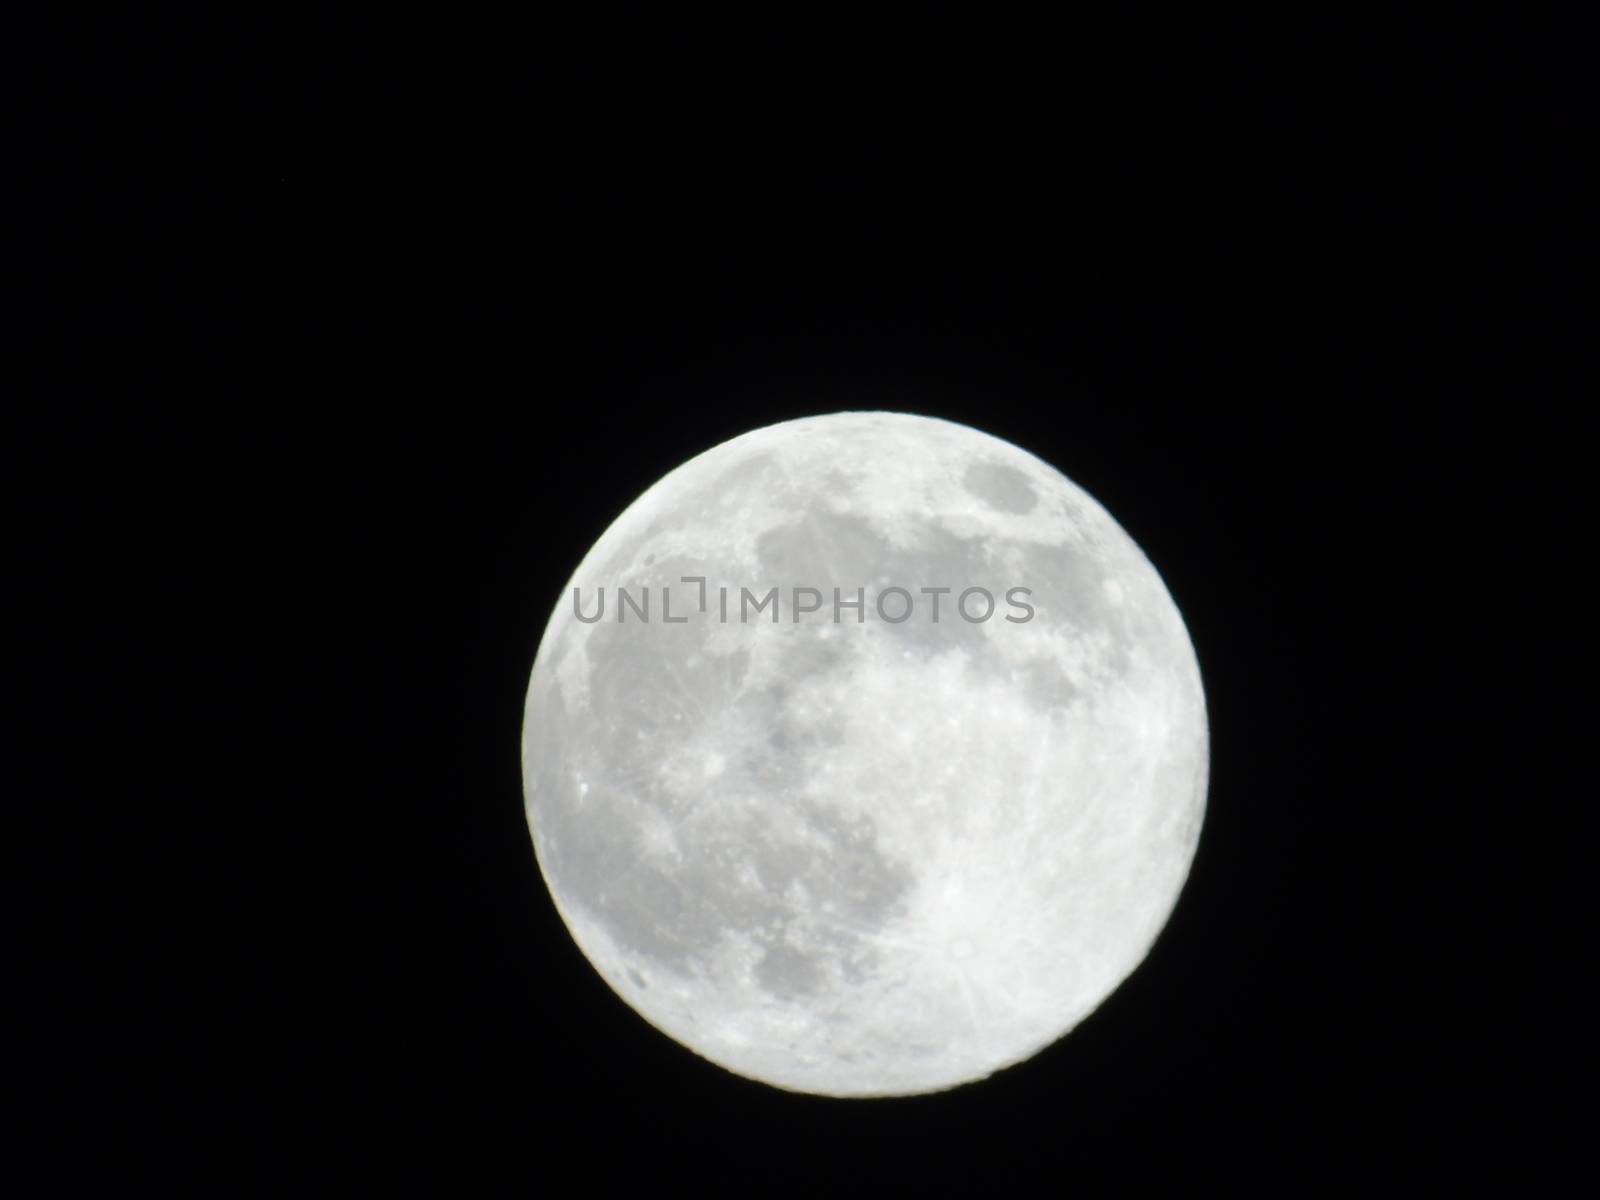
pixel 336 340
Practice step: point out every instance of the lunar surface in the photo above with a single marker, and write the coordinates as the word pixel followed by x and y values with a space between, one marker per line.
pixel 870 841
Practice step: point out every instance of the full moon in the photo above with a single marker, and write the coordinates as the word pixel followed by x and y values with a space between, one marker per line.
pixel 865 755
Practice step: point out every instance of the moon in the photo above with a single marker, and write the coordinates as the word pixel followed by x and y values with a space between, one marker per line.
pixel 875 837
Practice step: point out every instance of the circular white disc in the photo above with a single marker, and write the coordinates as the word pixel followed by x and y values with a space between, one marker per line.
pixel 864 855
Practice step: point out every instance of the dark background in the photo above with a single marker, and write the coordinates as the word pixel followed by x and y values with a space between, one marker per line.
pixel 336 340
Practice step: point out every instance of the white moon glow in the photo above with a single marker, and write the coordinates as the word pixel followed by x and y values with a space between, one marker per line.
pixel 848 851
